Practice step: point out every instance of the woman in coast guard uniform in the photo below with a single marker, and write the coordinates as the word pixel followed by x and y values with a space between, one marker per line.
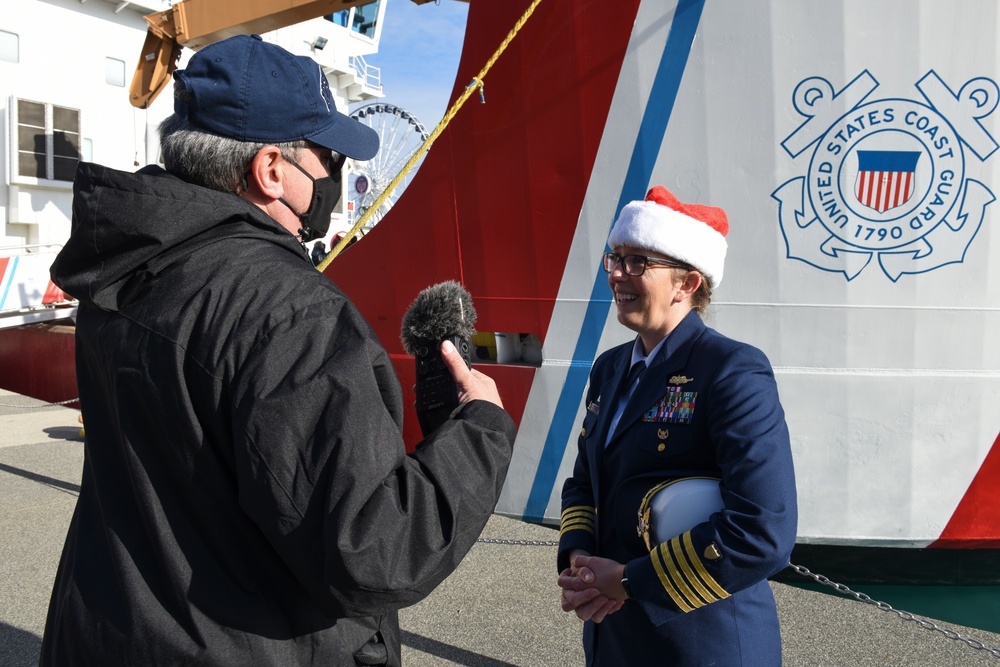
pixel 703 406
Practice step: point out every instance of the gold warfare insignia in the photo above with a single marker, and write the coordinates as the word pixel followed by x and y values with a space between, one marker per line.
pixel 680 379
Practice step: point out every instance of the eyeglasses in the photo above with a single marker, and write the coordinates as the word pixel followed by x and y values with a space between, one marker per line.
pixel 636 265
pixel 334 164
pixel 334 167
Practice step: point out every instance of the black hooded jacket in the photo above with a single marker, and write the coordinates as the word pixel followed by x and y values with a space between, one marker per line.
pixel 246 495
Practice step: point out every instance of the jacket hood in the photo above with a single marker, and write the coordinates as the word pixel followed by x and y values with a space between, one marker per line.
pixel 125 222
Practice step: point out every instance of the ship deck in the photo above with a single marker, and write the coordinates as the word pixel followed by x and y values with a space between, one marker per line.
pixel 500 608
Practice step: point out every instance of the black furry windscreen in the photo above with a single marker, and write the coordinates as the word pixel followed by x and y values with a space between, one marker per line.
pixel 439 311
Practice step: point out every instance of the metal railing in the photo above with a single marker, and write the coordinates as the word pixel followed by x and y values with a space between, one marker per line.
pixel 370 75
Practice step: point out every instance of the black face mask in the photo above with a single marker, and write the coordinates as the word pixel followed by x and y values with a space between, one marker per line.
pixel 326 193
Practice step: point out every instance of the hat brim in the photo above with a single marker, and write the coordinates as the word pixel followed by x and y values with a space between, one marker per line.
pixel 349 137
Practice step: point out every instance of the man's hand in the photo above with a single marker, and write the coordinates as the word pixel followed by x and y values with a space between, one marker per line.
pixel 472 385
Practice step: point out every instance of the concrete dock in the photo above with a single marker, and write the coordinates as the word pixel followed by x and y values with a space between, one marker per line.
pixel 500 608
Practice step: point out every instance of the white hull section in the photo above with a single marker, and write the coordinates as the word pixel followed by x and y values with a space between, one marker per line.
pixel 884 342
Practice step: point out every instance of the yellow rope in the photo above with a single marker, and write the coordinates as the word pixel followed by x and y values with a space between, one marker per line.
pixel 477 82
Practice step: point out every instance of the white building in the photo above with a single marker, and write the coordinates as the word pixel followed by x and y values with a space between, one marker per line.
pixel 65 71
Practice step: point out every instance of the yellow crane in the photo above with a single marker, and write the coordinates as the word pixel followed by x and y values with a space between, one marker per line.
pixel 196 23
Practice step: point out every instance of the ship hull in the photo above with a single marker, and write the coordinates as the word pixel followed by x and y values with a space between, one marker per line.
pixel 876 314
pixel 882 341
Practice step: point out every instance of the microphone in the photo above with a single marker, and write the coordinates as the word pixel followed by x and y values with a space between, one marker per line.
pixel 440 312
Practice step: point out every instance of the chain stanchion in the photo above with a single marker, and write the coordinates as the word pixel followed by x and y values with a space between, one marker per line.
pixel 905 615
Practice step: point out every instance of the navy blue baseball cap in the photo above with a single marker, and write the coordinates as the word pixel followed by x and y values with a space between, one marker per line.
pixel 251 90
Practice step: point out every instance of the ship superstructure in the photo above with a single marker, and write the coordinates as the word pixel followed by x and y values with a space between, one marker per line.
pixel 65 71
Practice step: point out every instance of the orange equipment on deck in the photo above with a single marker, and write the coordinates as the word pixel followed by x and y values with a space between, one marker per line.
pixel 197 23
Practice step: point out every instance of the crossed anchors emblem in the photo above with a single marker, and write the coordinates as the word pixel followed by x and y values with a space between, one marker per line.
pixel 886 178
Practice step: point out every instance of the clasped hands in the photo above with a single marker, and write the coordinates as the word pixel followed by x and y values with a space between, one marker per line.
pixel 591 586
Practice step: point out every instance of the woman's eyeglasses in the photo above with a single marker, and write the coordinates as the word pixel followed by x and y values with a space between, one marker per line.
pixel 636 265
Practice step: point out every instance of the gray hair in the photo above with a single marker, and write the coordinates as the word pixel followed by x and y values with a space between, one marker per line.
pixel 211 160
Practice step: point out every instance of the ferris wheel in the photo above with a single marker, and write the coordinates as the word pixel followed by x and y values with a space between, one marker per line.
pixel 400 135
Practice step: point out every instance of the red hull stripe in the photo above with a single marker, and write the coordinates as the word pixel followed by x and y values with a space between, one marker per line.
pixel 974 524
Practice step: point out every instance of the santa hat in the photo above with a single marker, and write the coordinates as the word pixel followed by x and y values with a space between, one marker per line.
pixel 690 233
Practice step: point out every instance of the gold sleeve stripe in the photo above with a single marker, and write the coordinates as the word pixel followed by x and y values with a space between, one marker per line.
pixel 700 567
pixel 657 558
pixel 578 517
pixel 689 573
pixel 580 524
pixel 578 509
pixel 678 578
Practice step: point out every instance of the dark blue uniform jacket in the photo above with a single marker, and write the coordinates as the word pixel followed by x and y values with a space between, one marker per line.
pixel 707 406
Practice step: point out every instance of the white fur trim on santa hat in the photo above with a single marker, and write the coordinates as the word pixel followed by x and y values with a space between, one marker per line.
pixel 649 225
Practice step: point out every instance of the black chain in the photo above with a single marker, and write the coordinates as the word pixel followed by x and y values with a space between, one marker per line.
pixel 520 543
pixel 905 615
pixel 43 405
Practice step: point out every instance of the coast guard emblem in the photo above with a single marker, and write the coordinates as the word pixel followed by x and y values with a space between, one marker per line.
pixel 886 179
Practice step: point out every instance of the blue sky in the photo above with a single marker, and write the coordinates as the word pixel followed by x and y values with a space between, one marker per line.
pixel 419 52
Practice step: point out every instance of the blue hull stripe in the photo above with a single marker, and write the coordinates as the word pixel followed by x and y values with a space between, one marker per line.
pixel 647 146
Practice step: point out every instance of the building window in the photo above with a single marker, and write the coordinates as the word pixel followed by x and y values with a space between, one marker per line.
pixel 48 140
pixel 9 49
pixel 365 17
pixel 341 18
pixel 114 72
pixel 359 19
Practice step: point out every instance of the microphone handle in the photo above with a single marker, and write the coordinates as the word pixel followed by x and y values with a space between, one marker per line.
pixel 437 394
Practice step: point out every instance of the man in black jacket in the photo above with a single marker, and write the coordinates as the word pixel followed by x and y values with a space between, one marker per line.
pixel 246 495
